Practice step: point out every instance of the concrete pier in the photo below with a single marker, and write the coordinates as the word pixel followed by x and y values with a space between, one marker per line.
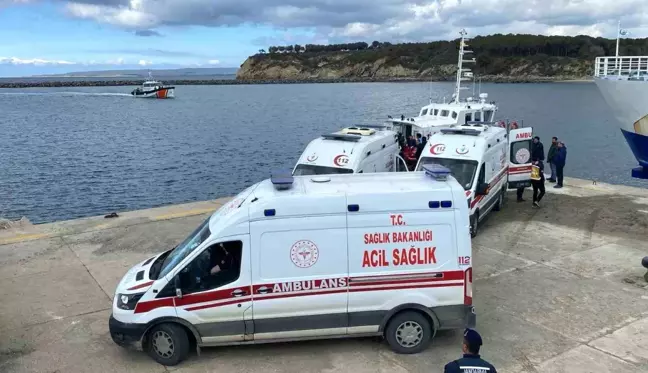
pixel 557 289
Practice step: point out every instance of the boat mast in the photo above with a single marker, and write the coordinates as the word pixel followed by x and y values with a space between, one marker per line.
pixel 460 69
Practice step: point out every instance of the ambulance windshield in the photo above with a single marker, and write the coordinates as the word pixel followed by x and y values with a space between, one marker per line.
pixel 462 170
pixel 181 251
pixel 309 169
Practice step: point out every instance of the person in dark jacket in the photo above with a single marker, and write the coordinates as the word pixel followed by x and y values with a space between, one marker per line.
pixel 471 361
pixel 537 149
pixel 560 158
pixel 550 155
pixel 537 181
pixel 420 147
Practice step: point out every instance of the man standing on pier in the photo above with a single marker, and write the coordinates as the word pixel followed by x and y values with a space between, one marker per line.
pixel 560 159
pixel 550 156
pixel 537 149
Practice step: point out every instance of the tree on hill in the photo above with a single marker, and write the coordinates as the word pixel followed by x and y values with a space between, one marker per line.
pixel 488 49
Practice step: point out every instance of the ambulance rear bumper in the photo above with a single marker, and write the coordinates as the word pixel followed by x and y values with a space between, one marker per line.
pixel 456 317
pixel 125 334
pixel 519 184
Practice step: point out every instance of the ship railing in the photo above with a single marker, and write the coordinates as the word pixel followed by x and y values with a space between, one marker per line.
pixel 621 66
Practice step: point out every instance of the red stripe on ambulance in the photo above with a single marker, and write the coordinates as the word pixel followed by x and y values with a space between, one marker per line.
pixel 223 297
pixel 146 284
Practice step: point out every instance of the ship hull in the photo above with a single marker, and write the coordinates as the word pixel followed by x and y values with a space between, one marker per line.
pixel 166 92
pixel 628 100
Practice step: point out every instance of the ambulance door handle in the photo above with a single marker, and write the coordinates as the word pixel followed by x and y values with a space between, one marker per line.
pixel 263 290
pixel 238 293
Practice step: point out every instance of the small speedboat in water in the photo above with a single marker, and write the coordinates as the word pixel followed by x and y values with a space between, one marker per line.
pixel 153 89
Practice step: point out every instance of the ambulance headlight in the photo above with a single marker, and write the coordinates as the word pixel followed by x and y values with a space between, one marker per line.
pixel 128 301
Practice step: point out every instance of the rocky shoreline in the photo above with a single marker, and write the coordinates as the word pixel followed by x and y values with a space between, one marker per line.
pixel 105 83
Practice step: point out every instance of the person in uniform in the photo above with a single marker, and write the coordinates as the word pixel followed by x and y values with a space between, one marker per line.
pixel 470 362
pixel 537 181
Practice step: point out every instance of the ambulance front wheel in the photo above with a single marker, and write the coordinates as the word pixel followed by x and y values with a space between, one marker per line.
pixel 408 332
pixel 168 344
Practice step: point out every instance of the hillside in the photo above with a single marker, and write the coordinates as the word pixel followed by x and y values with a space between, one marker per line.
pixel 500 58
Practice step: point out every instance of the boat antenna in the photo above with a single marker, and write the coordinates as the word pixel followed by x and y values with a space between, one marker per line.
pixel 460 69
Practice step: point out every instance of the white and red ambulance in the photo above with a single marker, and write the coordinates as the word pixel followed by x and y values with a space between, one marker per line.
pixel 486 159
pixel 358 149
pixel 306 257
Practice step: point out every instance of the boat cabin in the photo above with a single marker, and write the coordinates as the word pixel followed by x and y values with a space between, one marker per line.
pixel 435 116
pixel 151 84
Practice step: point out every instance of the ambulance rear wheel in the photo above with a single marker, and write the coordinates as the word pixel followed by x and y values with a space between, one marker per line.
pixel 408 333
pixel 168 344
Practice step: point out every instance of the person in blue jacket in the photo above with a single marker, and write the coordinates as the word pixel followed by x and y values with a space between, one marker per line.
pixel 559 159
pixel 470 362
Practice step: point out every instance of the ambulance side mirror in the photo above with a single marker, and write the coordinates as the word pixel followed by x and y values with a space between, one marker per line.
pixel 178 287
pixel 482 189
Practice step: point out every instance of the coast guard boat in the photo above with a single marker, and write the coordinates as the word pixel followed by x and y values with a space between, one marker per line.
pixel 435 116
pixel 153 89
pixel 623 82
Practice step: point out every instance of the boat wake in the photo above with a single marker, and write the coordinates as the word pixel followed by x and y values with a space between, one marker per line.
pixel 66 93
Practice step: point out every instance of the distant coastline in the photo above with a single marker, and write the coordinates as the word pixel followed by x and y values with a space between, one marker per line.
pixel 179 82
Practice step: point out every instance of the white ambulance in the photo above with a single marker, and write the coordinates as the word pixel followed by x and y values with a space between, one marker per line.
pixel 351 150
pixel 487 160
pixel 307 257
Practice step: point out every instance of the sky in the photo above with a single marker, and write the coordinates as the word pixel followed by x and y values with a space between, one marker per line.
pixel 55 36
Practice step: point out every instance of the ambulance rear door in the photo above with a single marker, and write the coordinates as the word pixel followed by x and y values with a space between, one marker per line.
pixel 519 167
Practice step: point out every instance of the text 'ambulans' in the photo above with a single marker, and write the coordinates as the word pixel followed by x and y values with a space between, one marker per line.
pixel 331 283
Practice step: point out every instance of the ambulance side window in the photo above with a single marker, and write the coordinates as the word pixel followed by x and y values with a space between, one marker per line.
pixel 217 266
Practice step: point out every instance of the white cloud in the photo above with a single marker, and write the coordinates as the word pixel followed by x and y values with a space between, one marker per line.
pixel 396 20
pixel 129 17
pixel 117 61
pixel 388 20
pixel 213 62
pixel 145 62
pixel 33 61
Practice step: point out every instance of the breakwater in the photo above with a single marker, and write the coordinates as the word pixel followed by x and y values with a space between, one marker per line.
pixel 179 82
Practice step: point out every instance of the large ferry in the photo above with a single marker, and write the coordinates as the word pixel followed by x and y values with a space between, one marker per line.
pixel 623 82
pixel 435 116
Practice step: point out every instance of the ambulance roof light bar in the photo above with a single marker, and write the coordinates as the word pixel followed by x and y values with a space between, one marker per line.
pixel 282 180
pixel 437 171
pixel 461 131
pixel 340 136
